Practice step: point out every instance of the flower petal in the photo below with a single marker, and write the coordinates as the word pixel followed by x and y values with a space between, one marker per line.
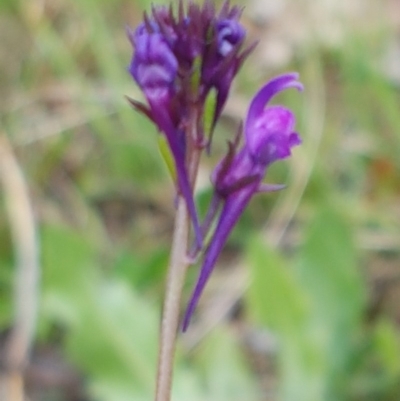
pixel 153 66
pixel 269 90
pixel 165 125
pixel 232 210
pixel 229 33
pixel 269 136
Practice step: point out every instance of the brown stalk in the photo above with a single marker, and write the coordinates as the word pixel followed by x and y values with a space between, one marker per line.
pixel 23 232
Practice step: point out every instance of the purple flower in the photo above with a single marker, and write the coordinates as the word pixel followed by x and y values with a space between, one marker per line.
pixel 223 58
pixel 269 136
pixel 189 54
pixel 230 33
pixel 154 66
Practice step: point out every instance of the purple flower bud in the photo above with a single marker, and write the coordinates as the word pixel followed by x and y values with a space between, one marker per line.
pixel 229 34
pixel 269 137
pixel 154 66
pixel 224 57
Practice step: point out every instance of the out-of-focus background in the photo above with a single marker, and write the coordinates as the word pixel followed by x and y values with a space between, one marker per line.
pixel 305 302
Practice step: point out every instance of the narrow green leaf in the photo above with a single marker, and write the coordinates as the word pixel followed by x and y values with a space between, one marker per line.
pixel 209 112
pixel 274 297
pixel 167 156
pixel 328 269
pixel 115 340
pixel 387 344
pixel 68 260
pixel 226 376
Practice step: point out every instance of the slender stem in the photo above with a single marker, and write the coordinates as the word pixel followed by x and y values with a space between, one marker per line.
pixel 175 279
pixel 170 320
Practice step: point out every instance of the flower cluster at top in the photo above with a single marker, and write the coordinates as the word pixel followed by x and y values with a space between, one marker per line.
pixel 185 66
pixel 182 64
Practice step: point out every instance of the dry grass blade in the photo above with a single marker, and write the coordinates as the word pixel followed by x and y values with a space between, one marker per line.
pixel 22 224
pixel 286 207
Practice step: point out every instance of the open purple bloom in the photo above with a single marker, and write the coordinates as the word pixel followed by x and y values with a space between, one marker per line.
pixel 269 136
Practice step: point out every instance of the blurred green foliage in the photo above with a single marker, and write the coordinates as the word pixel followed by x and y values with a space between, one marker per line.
pixel 323 254
pixel 316 309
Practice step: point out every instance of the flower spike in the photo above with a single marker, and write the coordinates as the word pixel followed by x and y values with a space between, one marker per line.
pixel 180 63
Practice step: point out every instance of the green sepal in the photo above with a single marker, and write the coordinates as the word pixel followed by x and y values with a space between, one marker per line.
pixel 166 154
pixel 209 112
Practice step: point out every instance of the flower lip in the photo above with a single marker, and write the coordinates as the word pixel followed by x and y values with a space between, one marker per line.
pixel 269 130
pixel 269 90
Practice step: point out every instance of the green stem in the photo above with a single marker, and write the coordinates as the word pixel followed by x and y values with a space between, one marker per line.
pixel 172 301
pixel 176 277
